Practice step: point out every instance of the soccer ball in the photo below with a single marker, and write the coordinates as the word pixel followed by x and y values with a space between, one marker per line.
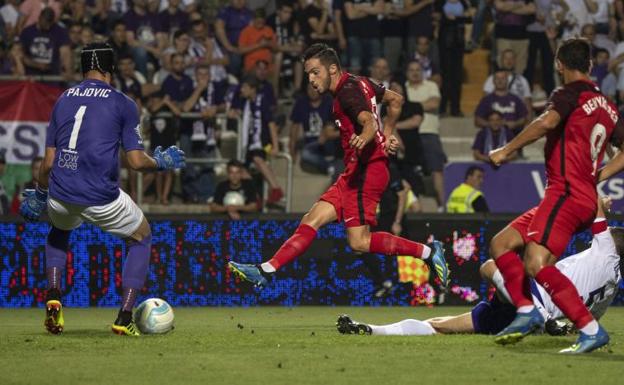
pixel 233 198
pixel 154 316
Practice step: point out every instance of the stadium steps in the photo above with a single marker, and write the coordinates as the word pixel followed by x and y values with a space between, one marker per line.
pixel 476 70
pixel 457 135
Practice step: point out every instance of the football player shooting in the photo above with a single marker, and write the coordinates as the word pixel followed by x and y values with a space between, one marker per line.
pixel 596 273
pixel 355 195
pixel 79 180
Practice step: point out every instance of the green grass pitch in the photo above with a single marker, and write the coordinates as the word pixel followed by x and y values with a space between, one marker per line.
pixel 271 345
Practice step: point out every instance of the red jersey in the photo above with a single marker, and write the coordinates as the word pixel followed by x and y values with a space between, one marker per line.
pixel 575 149
pixel 353 95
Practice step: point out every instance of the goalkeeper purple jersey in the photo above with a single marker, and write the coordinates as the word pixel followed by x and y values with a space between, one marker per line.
pixel 89 122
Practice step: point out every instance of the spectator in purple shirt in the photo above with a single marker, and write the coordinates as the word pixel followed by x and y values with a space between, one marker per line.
pixel 173 18
pixel 510 28
pixel 144 33
pixel 118 40
pixel 313 129
pixel 511 107
pixel 175 90
pixel 46 47
pixel 231 20
pixel 198 136
pixel 493 136
pixel 261 73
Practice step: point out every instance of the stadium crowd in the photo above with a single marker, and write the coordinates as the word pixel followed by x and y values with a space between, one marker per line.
pixel 199 69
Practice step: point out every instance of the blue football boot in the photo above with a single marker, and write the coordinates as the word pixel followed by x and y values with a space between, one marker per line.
pixel 250 273
pixel 437 262
pixel 586 343
pixel 523 325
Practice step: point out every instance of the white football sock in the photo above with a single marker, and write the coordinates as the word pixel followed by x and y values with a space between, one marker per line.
pixel 526 309
pixel 499 282
pixel 591 328
pixel 426 252
pixel 267 267
pixel 408 327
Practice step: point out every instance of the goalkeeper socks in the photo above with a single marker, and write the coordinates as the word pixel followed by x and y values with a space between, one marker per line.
pixel 137 263
pixel 124 318
pixel 388 244
pixel 565 296
pixel 296 245
pixel 128 298
pixel 408 327
pixel 56 249
pixel 516 280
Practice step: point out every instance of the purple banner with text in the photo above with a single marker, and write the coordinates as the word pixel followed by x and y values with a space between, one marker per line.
pixel 516 187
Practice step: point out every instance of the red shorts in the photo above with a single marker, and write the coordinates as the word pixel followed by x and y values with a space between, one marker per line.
pixel 553 223
pixel 355 196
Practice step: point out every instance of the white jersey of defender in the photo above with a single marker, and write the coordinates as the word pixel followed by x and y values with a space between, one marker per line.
pixel 596 274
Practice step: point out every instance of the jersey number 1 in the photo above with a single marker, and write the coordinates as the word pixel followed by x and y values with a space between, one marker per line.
pixel 73 139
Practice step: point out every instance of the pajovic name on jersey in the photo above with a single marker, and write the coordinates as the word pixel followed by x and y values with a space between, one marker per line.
pixel 90 92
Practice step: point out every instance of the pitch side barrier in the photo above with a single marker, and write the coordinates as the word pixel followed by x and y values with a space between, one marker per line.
pixel 188 265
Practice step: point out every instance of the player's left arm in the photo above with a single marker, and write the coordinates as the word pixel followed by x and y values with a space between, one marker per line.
pixel 539 127
pixel 394 101
pixel 616 164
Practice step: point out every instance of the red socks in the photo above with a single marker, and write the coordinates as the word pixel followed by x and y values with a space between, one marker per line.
pixel 516 281
pixel 564 295
pixel 296 245
pixel 388 244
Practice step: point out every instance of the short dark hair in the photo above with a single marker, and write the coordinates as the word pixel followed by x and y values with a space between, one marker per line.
pixel 618 238
pixel 235 163
pixel 471 170
pixel 179 33
pixel 251 81
pixel 575 54
pixel 284 3
pixel 119 22
pixel 494 112
pixel 326 54
pixel 600 50
pixel 175 55
pixel 99 57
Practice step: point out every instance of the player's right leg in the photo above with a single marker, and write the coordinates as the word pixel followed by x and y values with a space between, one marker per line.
pixel 123 218
pixel 321 213
pixel 64 218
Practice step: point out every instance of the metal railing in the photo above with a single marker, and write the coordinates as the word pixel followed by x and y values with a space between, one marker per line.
pixel 37 78
pixel 221 120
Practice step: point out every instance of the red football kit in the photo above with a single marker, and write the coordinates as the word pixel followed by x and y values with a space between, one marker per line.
pixel 358 190
pixel 573 152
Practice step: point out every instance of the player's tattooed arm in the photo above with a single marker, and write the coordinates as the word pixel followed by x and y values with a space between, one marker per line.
pixel 394 101
pixel 369 127
pixel 539 127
